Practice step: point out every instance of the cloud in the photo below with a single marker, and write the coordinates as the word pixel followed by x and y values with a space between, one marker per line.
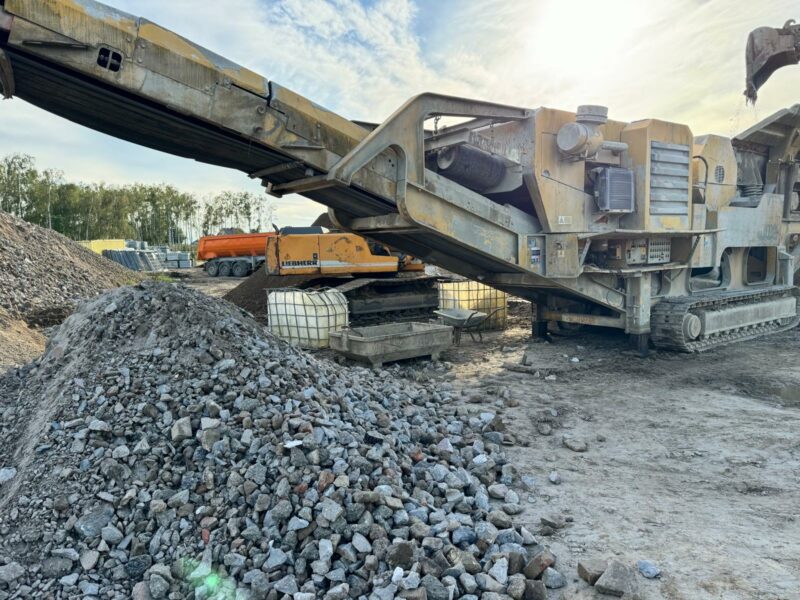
pixel 680 61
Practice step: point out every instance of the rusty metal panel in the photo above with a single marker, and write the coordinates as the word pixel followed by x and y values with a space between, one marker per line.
pixel 561 255
pixel 82 20
pixel 175 57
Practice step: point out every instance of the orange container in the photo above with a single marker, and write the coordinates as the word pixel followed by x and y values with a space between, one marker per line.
pixel 232 246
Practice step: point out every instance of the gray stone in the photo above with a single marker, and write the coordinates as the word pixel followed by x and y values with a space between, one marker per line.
pixel 591 569
pixel 89 559
pixel 575 444
pixel 648 569
pixel 89 588
pixel 553 579
pixel 91 524
pixel 69 553
pixel 617 580
pixel 487 583
pixel 55 568
pixel 468 582
pixel 464 536
pixel 7 474
pixel 535 590
pixel 111 535
pixel 138 565
pixel 400 554
pixel 99 426
pixel 69 580
pixel 339 592
pixel 361 544
pixel 516 587
pixel 159 587
pixel 296 524
pixel 11 572
pixel 434 588
pixel 287 585
pixel 330 510
pixel 499 571
pixel 181 430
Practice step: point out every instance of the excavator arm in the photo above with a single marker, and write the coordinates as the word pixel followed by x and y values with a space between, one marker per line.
pixel 769 49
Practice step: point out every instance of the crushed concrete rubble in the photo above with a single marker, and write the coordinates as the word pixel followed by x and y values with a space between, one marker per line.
pixel 43 274
pixel 166 446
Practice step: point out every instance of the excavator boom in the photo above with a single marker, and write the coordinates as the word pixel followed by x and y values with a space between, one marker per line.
pixel 769 49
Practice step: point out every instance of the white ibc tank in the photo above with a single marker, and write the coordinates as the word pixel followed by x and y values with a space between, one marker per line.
pixel 306 319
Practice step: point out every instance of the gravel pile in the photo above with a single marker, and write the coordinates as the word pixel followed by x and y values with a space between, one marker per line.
pixel 165 446
pixel 43 273
pixel 19 343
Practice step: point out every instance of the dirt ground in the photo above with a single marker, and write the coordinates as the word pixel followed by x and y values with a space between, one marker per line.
pixel 215 287
pixel 692 461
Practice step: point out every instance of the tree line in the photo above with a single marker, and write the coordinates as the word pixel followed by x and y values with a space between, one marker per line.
pixel 157 214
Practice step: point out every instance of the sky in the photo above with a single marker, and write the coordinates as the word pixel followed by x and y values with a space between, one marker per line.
pixel 678 60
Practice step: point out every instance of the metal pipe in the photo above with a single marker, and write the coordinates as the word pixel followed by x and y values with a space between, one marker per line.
pixel 788 190
pixel 615 147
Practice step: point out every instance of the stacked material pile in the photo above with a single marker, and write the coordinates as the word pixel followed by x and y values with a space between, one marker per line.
pixel 43 272
pixel 136 260
pixel 166 444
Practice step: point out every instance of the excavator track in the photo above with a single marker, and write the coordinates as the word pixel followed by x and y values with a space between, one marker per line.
pixel 678 324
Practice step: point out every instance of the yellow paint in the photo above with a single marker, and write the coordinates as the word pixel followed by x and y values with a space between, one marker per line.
pixel 97 246
pixel 325 254
pixel 718 152
pixel 72 19
pixel 168 40
pixel 638 136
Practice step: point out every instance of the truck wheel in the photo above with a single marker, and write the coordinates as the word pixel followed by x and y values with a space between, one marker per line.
pixel 212 268
pixel 240 269
pixel 225 269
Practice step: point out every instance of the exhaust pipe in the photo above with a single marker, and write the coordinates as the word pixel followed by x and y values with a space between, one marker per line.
pixel 769 49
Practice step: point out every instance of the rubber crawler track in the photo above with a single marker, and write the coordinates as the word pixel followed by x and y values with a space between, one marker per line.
pixel 667 317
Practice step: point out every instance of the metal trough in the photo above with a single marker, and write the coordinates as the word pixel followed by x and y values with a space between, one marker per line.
pixel 397 341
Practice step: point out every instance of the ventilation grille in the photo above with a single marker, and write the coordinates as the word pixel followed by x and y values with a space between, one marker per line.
pixel 669 179
pixel 614 191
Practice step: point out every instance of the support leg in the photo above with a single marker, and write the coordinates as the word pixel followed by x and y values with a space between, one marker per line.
pixel 641 343
pixel 638 312
pixel 539 324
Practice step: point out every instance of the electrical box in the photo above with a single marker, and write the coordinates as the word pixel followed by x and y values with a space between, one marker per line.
pixel 614 190
pixel 623 253
pixel 536 253
pixel 659 251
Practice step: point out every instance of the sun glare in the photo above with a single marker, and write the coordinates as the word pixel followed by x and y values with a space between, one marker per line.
pixel 576 37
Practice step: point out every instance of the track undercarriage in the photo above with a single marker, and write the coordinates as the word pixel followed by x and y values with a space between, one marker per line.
pixel 705 321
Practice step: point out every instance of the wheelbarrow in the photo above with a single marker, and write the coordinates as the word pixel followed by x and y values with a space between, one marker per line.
pixel 461 320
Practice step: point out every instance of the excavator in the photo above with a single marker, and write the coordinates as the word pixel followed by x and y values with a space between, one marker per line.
pixel 379 285
pixel 683 242
pixel 769 49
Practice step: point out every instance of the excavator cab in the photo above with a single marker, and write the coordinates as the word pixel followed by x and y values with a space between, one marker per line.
pixel 769 49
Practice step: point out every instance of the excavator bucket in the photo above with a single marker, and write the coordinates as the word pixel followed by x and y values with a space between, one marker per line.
pixel 769 49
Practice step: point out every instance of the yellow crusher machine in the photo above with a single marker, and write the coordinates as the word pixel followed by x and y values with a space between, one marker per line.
pixel 689 241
